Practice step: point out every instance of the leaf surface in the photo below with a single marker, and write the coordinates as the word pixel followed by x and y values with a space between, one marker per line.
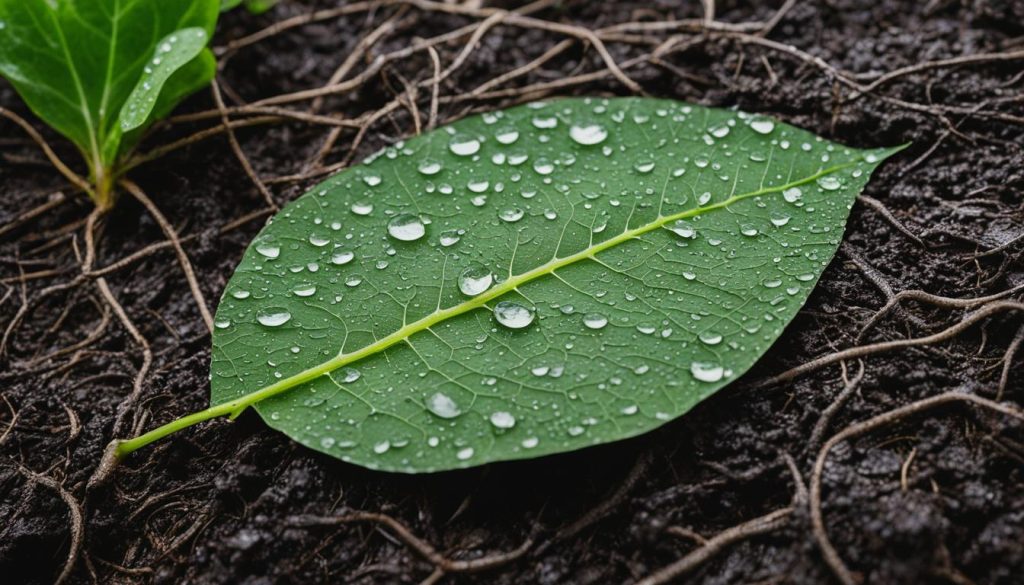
pixel 76 62
pixel 531 281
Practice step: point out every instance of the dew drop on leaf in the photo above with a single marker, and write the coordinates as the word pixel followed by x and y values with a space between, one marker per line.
pixel 475 280
pixel 273 316
pixel 513 315
pixel 406 227
pixel 588 134
pixel 707 372
pixel 503 420
pixel 443 406
pixel 595 320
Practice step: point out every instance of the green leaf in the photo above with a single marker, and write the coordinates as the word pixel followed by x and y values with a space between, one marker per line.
pixel 76 62
pixel 531 281
pixel 172 53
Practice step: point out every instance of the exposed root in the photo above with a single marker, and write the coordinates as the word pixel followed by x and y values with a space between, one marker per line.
pixel 74 511
pixel 832 558
pixel 268 197
pixel 73 177
pixel 421 547
pixel 988 310
pixel 172 237
pixel 850 386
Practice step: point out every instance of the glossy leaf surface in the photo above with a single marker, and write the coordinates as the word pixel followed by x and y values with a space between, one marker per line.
pixel 531 281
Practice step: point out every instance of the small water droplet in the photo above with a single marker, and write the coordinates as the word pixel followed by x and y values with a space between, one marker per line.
pixel 829 183
pixel 595 320
pixel 429 167
pixel 475 280
pixel 644 166
pixel 792 195
pixel 682 228
pixel 545 122
pixel 240 294
pixel 449 238
pixel 464 453
pixel 305 290
pixel 710 338
pixel 706 372
pixel 511 215
pixel 443 406
pixel 273 316
pixel 464 145
pixel 779 219
pixel 588 134
pixel 507 135
pixel 268 250
pixel 503 420
pixel 762 126
pixel 513 315
pixel 362 208
pixel 342 257
pixel 406 227
pixel 530 442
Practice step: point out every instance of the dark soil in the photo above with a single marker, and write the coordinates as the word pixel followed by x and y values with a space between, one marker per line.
pixel 217 503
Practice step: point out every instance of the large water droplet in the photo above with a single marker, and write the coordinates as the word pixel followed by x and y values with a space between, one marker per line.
pixel 464 453
pixel 507 135
pixel 513 315
pixel 443 406
pixel 273 316
pixel 683 229
pixel 792 195
pixel 595 320
pixel 305 290
pixel 706 372
pixel 406 227
pixel 362 208
pixel 710 338
pixel 511 215
pixel 503 420
pixel 342 257
pixel 829 183
pixel 762 126
pixel 464 145
pixel 268 250
pixel 475 280
pixel 429 167
pixel 588 134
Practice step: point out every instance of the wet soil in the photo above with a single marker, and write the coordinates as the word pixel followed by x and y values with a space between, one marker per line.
pixel 218 502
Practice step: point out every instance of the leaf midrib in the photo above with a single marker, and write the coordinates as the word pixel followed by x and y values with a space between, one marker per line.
pixel 237 405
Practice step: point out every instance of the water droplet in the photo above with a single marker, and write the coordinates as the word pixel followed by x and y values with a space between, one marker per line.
pixel 354 280
pixel 305 290
pixel 222 323
pixel 464 145
pixel 327 442
pixel 268 250
pixel 240 294
pixel 342 257
pixel 372 179
pixel 362 208
pixel 475 280
pixel 503 420
pixel 762 126
pixel 513 315
pixel 511 215
pixel 644 166
pixel 710 338
pixel 530 442
pixel 507 135
pixel 706 372
pixel 748 230
pixel 449 238
pixel 588 134
pixel 429 167
pixel 406 227
pixel 273 316
pixel 464 454
pixel 478 186
pixel 543 166
pixel 792 195
pixel 595 320
pixel 443 406
pixel 683 229
pixel 381 447
pixel 779 219
pixel 719 131
pixel 319 241
pixel 829 183
pixel 350 375
pixel 545 122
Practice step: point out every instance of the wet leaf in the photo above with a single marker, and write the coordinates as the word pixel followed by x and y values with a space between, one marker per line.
pixel 77 62
pixel 531 281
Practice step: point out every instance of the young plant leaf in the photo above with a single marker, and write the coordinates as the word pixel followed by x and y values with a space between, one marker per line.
pixel 530 281
pixel 77 62
pixel 172 53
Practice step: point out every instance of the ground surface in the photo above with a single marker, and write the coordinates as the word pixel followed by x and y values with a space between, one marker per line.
pixel 930 498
